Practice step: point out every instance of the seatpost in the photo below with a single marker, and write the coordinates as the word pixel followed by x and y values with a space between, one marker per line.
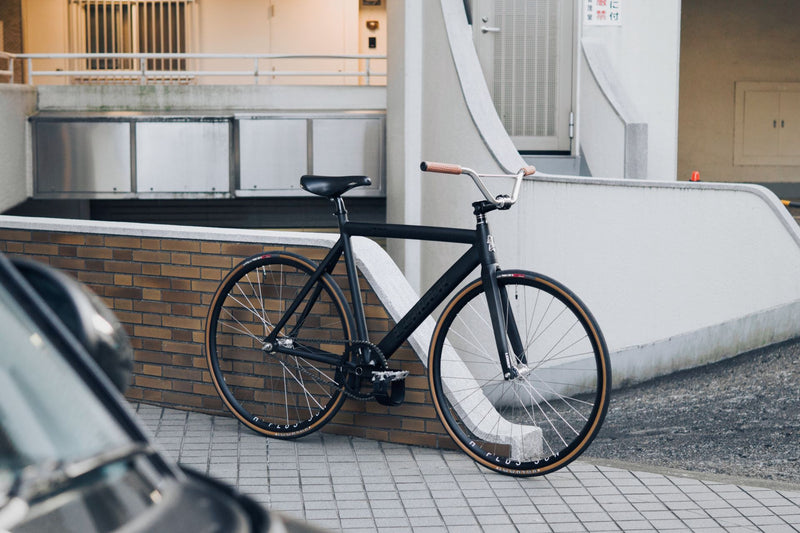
pixel 339 210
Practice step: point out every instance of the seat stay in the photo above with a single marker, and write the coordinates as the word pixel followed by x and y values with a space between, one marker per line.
pixel 323 268
pixel 306 311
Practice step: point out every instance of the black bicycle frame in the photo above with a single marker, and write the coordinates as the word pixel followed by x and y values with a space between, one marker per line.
pixel 481 252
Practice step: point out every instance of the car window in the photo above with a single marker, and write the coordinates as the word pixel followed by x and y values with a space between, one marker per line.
pixel 47 412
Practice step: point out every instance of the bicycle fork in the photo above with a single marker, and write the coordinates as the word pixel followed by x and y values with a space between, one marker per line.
pixel 504 324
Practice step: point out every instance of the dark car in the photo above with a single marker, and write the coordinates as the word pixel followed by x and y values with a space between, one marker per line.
pixel 72 455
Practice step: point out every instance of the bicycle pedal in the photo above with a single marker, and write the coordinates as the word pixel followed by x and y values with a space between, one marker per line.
pixel 389 386
pixel 388 375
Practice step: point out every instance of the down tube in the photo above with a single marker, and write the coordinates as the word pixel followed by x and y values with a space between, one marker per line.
pixel 432 298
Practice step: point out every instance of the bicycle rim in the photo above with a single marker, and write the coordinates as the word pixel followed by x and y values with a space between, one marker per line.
pixel 547 416
pixel 274 393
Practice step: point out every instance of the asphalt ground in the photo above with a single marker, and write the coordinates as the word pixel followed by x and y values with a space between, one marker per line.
pixel 738 417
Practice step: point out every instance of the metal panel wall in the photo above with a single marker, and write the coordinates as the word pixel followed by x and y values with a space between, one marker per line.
pixel 273 153
pixel 183 157
pixel 275 150
pixel 350 146
pixel 82 157
pixel 170 156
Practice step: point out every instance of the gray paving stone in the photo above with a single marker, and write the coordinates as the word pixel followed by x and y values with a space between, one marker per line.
pixel 567 527
pixel 422 521
pixel 460 520
pixel 635 525
pixel 421 511
pixel 669 525
pixel 350 484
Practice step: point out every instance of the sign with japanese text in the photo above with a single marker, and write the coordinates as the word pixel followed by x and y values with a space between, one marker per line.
pixel 602 12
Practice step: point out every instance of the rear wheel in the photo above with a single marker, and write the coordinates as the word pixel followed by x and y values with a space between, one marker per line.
pixel 545 417
pixel 274 393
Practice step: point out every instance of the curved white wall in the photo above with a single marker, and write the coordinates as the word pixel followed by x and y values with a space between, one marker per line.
pixel 644 53
pixel 677 274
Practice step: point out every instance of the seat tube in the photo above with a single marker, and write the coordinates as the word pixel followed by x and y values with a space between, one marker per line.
pixel 489 268
pixel 355 290
pixel 352 276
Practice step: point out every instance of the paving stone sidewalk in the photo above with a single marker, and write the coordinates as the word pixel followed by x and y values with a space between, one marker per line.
pixel 348 484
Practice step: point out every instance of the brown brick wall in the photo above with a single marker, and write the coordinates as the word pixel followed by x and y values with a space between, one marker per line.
pixel 11 16
pixel 160 289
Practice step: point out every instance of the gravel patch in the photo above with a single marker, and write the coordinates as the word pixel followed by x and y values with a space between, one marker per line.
pixel 738 417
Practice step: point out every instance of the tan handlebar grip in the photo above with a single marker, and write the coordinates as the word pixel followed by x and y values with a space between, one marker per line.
pixel 527 171
pixel 442 168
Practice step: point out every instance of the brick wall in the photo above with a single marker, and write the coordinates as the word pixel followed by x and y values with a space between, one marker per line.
pixel 11 35
pixel 160 288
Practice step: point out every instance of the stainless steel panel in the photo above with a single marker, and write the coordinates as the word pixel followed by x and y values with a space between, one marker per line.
pixel 273 153
pixel 183 157
pixel 350 146
pixel 82 157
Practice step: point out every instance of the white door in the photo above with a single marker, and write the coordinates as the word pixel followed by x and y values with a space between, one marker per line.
pixel 526 51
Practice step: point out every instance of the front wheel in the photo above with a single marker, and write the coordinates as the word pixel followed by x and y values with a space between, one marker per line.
pixel 546 416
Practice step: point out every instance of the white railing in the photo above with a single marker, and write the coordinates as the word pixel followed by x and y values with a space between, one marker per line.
pixel 7 75
pixel 141 68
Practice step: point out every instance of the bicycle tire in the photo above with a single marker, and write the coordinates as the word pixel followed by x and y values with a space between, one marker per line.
pixel 278 395
pixel 546 417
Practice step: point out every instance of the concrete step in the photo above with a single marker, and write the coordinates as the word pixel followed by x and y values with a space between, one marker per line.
pixel 556 164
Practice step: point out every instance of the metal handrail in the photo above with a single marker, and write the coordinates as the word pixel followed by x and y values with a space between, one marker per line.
pixel 143 72
pixel 10 71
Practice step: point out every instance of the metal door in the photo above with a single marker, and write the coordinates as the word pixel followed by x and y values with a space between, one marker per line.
pixel 526 51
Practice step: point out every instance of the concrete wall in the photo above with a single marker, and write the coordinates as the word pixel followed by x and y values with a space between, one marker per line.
pixel 676 275
pixel 723 42
pixel 643 62
pixel 441 111
pixel 207 98
pixel 17 102
pixel 603 119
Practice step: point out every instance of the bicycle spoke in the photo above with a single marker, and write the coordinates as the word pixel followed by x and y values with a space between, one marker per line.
pixel 278 394
pixel 528 422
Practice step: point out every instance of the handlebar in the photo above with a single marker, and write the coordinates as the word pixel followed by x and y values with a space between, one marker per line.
pixel 501 201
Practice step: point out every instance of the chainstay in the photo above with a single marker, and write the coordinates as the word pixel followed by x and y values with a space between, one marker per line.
pixel 350 343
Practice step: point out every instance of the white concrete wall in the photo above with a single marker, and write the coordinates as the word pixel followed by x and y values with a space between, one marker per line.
pixel 208 98
pixel 441 111
pixel 16 104
pixel 600 126
pixel 644 57
pixel 676 274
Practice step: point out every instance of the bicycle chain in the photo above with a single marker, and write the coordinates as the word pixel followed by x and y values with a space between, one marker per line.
pixel 350 343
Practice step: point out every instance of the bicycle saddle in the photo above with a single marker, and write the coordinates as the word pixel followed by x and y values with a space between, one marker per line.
pixel 332 186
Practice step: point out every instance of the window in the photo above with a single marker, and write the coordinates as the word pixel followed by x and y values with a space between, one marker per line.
pixel 132 26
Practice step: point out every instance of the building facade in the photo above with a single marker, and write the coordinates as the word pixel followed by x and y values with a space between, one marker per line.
pixel 640 90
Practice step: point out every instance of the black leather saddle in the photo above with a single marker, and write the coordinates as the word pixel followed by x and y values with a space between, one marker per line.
pixel 332 186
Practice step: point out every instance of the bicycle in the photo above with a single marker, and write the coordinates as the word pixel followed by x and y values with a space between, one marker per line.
pixel 518 368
